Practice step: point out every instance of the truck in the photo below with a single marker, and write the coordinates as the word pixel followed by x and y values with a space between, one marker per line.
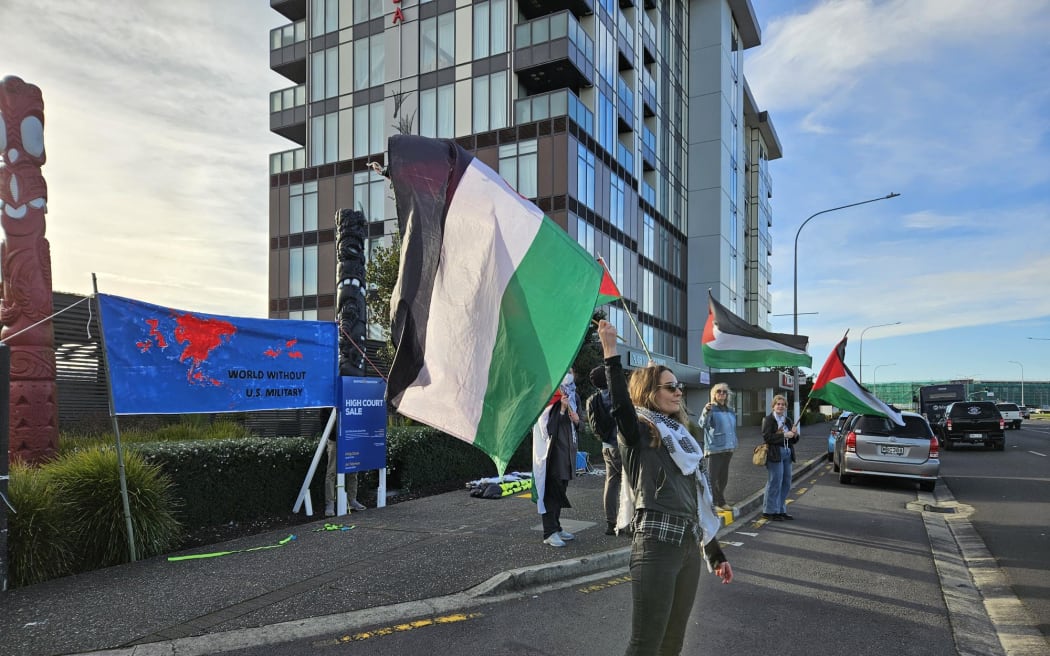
pixel 1011 413
pixel 971 422
pixel 931 400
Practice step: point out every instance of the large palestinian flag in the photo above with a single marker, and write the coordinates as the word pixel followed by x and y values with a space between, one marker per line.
pixel 729 342
pixel 837 386
pixel 492 302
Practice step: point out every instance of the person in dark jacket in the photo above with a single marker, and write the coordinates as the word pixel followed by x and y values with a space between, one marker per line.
pixel 780 437
pixel 665 498
pixel 600 419
pixel 554 460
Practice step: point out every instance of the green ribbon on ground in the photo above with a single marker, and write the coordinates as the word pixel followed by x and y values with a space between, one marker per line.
pixel 215 554
pixel 334 527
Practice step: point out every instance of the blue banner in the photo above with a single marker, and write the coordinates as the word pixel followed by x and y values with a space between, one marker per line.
pixel 362 425
pixel 167 361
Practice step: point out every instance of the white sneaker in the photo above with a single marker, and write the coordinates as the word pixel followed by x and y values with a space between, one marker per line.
pixel 329 510
pixel 566 536
pixel 357 505
pixel 554 540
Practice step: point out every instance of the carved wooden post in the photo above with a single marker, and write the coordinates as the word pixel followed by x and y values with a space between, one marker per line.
pixel 25 260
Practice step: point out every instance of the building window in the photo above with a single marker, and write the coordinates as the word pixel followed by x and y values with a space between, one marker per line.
pixel 518 164
pixel 324 139
pixel 617 255
pixel 302 208
pixel 303 315
pixel 584 176
pixel 437 42
pixel 585 234
pixel 648 237
pixel 324 74
pixel 490 102
pixel 369 195
pixel 324 17
pixel 302 271
pixel 490 28
pixel 369 129
pixel 437 112
pixel 366 10
pixel 617 201
pixel 368 62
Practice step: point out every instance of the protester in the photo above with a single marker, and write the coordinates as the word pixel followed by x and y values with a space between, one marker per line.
pixel 719 425
pixel 780 436
pixel 665 498
pixel 600 419
pixel 350 482
pixel 554 460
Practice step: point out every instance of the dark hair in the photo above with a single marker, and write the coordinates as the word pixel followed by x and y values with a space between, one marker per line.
pixel 597 376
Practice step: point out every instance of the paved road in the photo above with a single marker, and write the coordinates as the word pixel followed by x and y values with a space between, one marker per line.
pixel 1010 493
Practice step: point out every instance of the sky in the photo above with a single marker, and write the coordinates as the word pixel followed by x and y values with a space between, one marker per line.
pixel 157 136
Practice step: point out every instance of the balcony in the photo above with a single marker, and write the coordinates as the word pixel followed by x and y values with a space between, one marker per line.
pixel 648 38
pixel 293 10
pixel 553 52
pixel 625 44
pixel 536 8
pixel 647 89
pixel 647 146
pixel 555 103
pixel 288 113
pixel 289 160
pixel 624 106
pixel 288 51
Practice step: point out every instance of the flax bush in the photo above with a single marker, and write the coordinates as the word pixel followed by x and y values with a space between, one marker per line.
pixel 40 542
pixel 88 481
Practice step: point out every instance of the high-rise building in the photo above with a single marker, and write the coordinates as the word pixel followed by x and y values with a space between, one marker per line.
pixel 628 122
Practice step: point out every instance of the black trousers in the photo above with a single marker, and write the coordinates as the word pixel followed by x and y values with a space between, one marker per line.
pixel 554 499
pixel 664 578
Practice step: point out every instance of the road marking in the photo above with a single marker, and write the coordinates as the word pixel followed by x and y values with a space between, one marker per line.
pixel 605 584
pixel 399 628
pixel 750 535
pixel 1036 453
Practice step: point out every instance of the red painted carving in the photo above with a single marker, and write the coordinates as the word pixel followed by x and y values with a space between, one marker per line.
pixel 25 261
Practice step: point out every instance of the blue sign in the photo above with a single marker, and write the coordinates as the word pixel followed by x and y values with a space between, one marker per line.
pixel 362 425
pixel 167 361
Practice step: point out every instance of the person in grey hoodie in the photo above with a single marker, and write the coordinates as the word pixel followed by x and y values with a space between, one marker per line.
pixel 718 422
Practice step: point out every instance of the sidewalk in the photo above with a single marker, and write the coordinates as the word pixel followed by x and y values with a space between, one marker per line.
pixel 393 559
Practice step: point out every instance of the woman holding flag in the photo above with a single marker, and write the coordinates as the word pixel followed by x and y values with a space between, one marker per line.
pixel 664 498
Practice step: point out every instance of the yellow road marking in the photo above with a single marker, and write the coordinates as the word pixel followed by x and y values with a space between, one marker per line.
pixel 605 584
pixel 399 628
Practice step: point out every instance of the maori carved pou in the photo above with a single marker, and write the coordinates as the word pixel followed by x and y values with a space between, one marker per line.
pixel 25 259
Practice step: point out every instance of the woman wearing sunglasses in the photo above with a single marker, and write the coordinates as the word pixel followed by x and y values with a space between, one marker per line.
pixel 664 498
pixel 718 422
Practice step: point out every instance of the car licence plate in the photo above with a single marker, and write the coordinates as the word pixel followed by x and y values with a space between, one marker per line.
pixel 975 436
pixel 891 450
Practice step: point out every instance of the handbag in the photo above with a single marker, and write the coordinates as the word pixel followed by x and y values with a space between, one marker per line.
pixel 759 456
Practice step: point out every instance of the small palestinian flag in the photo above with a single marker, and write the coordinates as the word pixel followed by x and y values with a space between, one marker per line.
pixel 608 291
pixel 731 343
pixel 837 386
pixel 492 301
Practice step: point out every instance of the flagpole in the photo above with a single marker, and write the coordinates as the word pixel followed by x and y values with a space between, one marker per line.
pixel 630 316
pixel 116 430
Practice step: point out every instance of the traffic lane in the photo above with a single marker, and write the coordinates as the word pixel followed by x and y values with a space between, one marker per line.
pixel 1010 494
pixel 854 557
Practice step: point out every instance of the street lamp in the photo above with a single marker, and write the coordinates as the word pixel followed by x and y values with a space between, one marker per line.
pixel 1022 378
pixel 876 370
pixel 860 356
pixel 794 304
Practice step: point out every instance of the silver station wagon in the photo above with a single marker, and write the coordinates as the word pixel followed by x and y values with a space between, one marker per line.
pixel 875 446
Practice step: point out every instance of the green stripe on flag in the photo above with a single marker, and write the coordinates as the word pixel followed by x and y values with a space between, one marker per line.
pixel 737 359
pixel 543 317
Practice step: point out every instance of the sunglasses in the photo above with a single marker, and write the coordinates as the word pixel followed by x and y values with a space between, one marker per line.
pixel 670 387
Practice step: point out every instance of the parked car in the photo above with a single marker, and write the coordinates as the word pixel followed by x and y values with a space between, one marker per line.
pixel 972 422
pixel 836 426
pixel 1011 414
pixel 1026 413
pixel 875 446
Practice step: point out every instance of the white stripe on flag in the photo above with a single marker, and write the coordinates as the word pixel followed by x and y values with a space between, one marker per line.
pixel 488 230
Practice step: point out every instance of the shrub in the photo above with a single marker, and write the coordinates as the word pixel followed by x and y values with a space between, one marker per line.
pixel 40 544
pixel 88 481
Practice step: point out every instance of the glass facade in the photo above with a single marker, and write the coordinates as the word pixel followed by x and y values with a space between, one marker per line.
pixel 587 114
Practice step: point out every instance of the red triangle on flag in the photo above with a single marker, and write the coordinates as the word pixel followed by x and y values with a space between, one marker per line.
pixel 607 291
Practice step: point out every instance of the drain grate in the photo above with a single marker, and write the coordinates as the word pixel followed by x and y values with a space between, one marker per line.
pixel 938 509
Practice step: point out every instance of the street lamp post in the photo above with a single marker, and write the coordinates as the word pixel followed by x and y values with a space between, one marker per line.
pixel 860 356
pixel 794 304
pixel 1022 378
pixel 876 370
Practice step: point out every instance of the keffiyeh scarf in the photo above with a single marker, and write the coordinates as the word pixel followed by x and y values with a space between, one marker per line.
pixel 687 455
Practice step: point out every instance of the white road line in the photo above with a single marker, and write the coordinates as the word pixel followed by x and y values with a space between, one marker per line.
pixel 1036 453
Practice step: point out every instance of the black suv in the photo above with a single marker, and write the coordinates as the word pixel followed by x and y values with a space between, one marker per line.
pixel 972 422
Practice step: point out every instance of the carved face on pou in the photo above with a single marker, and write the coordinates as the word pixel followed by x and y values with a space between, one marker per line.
pixel 22 185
